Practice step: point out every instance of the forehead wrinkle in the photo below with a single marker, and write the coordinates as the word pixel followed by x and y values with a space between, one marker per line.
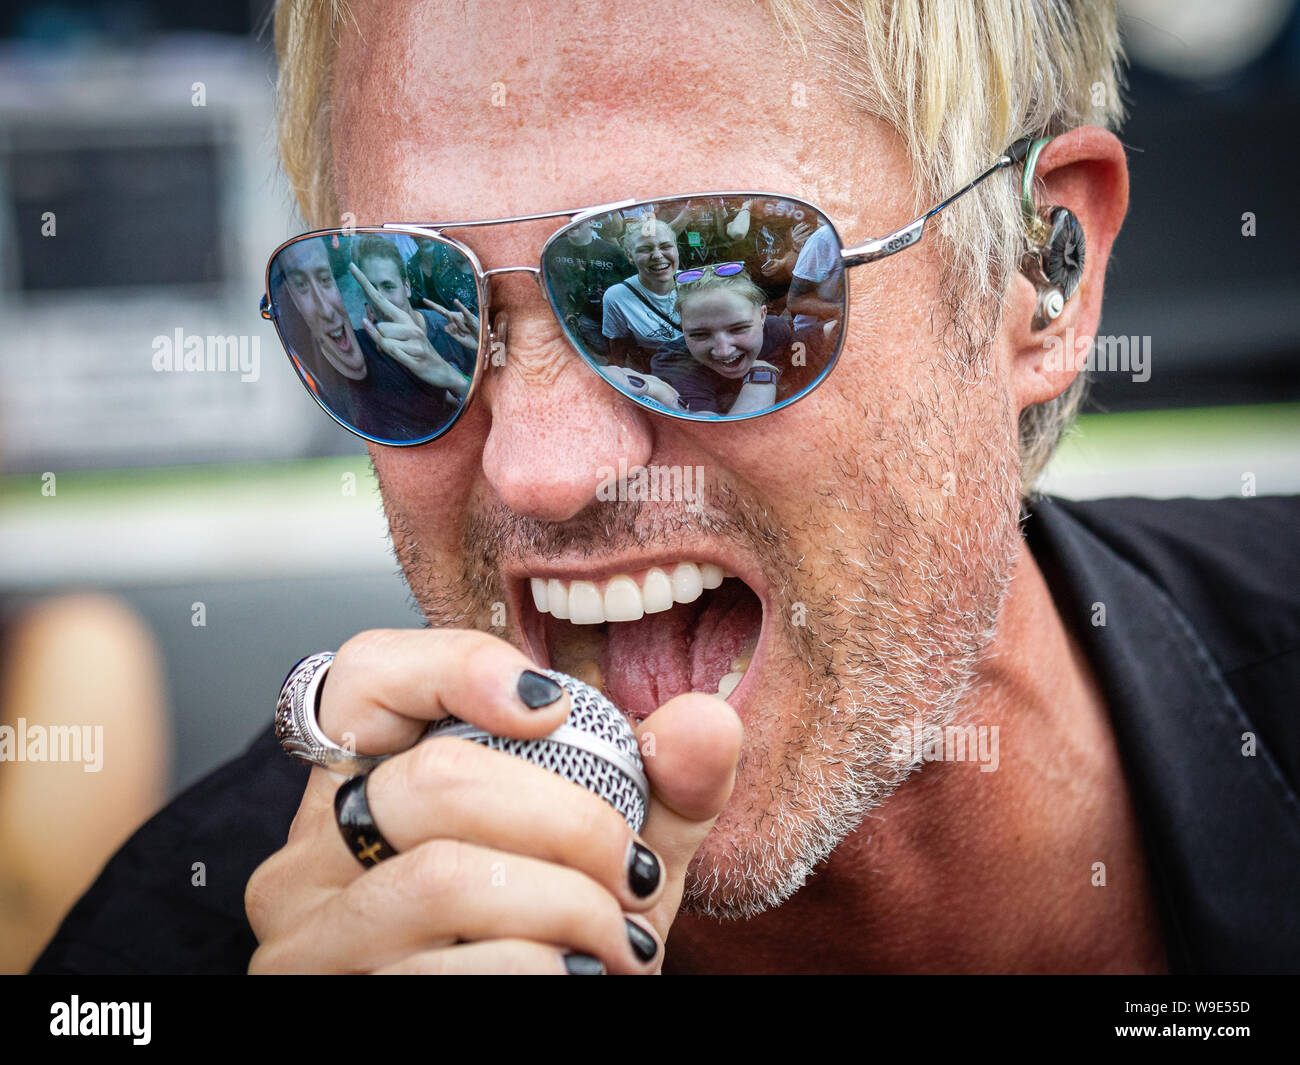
pixel 607 115
pixel 540 41
pixel 717 88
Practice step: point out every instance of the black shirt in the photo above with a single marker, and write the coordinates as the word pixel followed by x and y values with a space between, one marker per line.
pixel 580 273
pixel 390 401
pixel 1200 651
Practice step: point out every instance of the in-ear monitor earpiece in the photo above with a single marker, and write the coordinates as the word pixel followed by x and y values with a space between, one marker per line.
pixel 1055 259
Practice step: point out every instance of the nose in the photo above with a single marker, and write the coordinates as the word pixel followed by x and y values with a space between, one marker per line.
pixel 558 430
pixel 320 304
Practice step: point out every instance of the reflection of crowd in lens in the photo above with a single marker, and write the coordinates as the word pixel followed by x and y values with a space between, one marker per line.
pixel 717 307
pixel 398 364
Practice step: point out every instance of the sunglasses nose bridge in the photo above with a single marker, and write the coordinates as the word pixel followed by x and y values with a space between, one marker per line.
pixel 534 270
pixel 499 320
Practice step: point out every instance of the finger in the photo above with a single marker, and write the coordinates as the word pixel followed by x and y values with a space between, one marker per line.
pixel 445 891
pixel 378 300
pixel 386 346
pixel 451 788
pixel 695 740
pixel 400 330
pixel 501 957
pixel 470 319
pixel 438 307
pixel 371 292
pixel 386 685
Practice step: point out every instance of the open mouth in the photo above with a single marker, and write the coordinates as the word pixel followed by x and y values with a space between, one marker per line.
pixel 646 637
pixel 339 337
pixel 730 361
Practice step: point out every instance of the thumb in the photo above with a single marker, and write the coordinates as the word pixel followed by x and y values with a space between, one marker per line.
pixel 690 746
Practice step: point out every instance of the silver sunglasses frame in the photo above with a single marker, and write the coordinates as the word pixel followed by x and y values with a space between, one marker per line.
pixel 271 312
pixel 868 252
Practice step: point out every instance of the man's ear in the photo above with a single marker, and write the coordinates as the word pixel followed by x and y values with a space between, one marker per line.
pixel 1083 170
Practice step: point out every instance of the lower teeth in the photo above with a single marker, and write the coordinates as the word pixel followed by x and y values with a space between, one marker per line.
pixel 727 684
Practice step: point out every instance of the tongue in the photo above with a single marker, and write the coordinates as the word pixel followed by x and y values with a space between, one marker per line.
pixel 688 648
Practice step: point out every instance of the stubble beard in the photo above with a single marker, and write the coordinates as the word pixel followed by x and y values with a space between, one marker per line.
pixel 896 643
pixel 915 589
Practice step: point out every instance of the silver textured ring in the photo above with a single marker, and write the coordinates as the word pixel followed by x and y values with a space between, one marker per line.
pixel 296 726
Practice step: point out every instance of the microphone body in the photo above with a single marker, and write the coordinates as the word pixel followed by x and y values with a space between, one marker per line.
pixel 595 748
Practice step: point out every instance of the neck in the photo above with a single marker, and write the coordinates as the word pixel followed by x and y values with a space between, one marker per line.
pixel 659 288
pixel 964 870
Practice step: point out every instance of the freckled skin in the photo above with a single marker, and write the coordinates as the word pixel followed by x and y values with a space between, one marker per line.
pixel 958 869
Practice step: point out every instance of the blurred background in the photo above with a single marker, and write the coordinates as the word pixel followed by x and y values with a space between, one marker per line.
pixel 139 198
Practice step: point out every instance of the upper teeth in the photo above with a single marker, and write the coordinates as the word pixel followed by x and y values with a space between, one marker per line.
pixel 622 598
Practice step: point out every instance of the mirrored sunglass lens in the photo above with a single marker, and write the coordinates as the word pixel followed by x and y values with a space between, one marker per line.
pixel 382 329
pixel 718 307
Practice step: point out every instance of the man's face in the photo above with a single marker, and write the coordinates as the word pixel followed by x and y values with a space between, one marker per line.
pixel 388 278
pixel 723 330
pixel 315 294
pixel 871 526
pixel 580 234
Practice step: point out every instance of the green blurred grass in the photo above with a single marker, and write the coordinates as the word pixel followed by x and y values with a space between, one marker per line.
pixel 1184 432
pixel 179 483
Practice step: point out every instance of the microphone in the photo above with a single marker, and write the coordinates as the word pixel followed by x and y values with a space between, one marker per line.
pixel 595 748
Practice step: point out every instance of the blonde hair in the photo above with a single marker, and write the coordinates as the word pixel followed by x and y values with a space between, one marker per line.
pixel 637 228
pixel 958 80
pixel 739 283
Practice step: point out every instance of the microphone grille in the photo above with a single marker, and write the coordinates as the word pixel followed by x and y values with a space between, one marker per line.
pixel 595 748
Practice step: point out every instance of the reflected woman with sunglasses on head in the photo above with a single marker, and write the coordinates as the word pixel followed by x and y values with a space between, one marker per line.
pixel 736 350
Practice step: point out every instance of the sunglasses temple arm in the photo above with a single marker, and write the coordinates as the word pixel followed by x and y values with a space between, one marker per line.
pixel 896 241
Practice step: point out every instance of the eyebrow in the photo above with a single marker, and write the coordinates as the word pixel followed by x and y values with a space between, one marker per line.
pixel 734 325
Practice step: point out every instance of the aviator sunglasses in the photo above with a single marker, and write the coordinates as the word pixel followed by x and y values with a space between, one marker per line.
pixel 717 306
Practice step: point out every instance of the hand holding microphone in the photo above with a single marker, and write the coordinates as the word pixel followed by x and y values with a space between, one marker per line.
pixel 595 748
pixel 497 865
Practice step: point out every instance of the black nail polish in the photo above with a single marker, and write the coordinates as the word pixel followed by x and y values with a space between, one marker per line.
pixel 644 945
pixel 576 964
pixel 537 690
pixel 635 382
pixel 642 871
